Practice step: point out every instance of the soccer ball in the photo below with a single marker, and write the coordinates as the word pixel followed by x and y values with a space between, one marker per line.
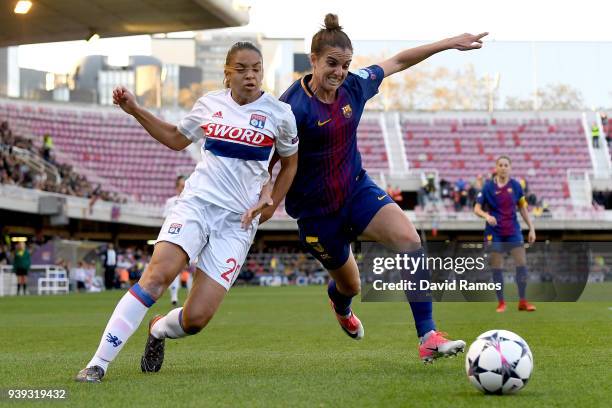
pixel 499 362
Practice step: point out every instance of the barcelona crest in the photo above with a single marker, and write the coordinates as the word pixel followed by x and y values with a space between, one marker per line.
pixel 347 111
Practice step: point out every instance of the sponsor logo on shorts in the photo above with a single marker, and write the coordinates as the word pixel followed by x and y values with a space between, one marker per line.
pixel 175 228
pixel 381 197
pixel 258 121
pixel 295 140
pixel 315 244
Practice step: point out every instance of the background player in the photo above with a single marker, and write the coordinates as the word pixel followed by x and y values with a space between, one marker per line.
pixel 332 197
pixel 170 203
pixel 243 125
pixel 500 196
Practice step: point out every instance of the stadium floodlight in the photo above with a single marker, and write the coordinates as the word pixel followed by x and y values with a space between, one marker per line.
pixel 19 239
pixel 23 6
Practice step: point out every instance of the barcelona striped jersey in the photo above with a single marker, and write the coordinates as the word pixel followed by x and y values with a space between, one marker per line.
pixel 501 202
pixel 329 163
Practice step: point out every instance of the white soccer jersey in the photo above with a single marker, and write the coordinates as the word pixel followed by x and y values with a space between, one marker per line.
pixel 170 203
pixel 239 143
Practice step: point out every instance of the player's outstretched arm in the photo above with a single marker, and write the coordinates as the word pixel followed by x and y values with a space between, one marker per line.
pixel 413 56
pixel 161 131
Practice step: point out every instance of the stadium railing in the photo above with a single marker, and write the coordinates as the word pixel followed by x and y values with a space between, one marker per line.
pixel 26 200
pixel 8 281
pixel 54 282
pixel 49 279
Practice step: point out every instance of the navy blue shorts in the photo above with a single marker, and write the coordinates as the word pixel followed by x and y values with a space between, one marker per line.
pixel 328 237
pixel 503 243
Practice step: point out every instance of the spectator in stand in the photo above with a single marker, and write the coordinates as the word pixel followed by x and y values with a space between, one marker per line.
pixel 603 199
pixel 421 195
pixel 95 196
pixel 523 184
pixel 595 135
pixel 21 266
pixel 47 147
pixel 445 189
pixel 460 184
pixel 110 263
pixel 5 131
pixel 460 195
pixel 5 178
pixel 532 199
pixel 4 254
pixel 273 264
pixel 430 188
pixel 137 269
pixel 80 277
pixel 472 192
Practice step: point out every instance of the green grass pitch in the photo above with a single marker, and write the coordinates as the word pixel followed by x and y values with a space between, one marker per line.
pixel 282 347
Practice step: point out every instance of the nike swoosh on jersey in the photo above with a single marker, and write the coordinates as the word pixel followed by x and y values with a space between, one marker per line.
pixel 323 123
pixel 381 197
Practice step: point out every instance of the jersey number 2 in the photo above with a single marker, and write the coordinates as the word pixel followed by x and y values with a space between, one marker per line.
pixel 233 269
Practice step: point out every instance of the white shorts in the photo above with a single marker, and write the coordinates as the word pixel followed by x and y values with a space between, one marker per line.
pixel 211 234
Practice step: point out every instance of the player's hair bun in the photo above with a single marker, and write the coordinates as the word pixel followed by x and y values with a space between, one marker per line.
pixel 331 35
pixel 331 22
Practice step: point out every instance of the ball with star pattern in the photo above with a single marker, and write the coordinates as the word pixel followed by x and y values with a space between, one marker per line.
pixel 499 362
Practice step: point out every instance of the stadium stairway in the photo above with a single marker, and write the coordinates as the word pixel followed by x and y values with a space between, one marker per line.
pixel 392 134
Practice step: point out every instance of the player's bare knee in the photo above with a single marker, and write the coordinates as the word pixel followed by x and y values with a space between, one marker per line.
pixel 154 281
pixel 405 239
pixel 152 286
pixel 350 288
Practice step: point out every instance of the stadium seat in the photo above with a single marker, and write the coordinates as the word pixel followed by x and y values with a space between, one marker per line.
pixel 542 149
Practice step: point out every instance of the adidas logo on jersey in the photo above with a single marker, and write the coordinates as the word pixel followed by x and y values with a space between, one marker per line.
pixel 236 134
pixel 218 115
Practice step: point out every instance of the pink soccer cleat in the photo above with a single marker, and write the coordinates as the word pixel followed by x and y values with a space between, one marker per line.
pixel 525 306
pixel 501 307
pixel 436 345
pixel 350 324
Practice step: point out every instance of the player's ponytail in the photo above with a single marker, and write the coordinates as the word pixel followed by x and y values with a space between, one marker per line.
pixel 240 45
pixel 331 35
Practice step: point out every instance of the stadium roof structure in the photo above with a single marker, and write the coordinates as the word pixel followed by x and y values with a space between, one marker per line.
pixel 67 20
